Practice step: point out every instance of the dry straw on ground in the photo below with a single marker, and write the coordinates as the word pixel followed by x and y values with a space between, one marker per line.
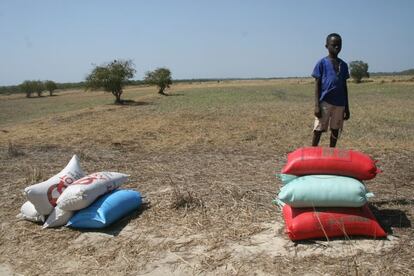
pixel 205 160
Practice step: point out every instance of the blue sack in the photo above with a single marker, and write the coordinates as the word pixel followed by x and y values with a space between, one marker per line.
pixel 106 209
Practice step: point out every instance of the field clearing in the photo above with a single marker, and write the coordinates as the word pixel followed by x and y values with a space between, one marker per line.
pixel 205 158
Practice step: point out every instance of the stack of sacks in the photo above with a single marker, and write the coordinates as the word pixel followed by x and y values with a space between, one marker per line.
pixel 323 196
pixel 70 191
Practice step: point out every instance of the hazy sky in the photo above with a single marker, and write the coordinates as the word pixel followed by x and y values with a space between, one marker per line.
pixel 62 40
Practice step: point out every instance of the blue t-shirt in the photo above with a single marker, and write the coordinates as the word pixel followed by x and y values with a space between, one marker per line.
pixel 332 83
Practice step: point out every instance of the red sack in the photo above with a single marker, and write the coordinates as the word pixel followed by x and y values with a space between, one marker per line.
pixel 319 160
pixel 310 223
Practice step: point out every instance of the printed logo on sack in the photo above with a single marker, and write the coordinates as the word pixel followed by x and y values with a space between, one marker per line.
pixel 348 219
pixel 335 222
pixel 56 190
pixel 337 154
pixel 87 180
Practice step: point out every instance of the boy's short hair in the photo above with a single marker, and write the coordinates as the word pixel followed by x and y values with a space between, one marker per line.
pixel 332 35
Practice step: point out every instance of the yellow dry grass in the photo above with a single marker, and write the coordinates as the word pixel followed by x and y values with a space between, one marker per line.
pixel 205 159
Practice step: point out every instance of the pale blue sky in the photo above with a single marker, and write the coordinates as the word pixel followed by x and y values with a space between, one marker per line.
pixel 61 40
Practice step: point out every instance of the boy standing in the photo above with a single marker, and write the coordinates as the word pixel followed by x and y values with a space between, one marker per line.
pixel 331 92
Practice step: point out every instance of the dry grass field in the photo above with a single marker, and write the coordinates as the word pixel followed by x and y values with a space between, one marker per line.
pixel 205 159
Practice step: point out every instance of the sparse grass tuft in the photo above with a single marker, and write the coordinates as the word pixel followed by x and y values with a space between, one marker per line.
pixel 14 150
pixel 33 175
pixel 183 198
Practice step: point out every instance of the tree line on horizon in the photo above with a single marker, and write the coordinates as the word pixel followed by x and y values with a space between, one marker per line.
pixel 122 72
pixel 111 77
pixel 31 87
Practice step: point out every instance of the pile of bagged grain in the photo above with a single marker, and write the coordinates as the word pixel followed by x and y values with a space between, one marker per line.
pixel 323 195
pixel 75 199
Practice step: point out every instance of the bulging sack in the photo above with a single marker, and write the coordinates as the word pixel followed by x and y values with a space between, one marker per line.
pixel 325 223
pixel 107 209
pixel 320 160
pixel 86 190
pixel 28 212
pixel 45 194
pixel 322 191
pixel 57 218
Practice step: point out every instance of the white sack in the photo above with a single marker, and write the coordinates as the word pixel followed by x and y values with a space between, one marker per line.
pixel 28 212
pixel 45 194
pixel 84 191
pixel 57 218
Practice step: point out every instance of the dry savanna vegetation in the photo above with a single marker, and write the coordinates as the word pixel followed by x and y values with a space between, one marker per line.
pixel 205 159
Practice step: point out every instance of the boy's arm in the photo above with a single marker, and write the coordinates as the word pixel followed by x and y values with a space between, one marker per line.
pixel 317 111
pixel 347 113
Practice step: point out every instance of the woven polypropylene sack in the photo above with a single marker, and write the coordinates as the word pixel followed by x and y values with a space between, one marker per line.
pixel 86 190
pixel 319 160
pixel 326 223
pixel 29 212
pixel 57 218
pixel 44 195
pixel 323 191
pixel 107 209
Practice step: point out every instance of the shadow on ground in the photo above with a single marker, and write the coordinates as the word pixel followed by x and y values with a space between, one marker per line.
pixel 134 103
pixel 391 218
pixel 322 241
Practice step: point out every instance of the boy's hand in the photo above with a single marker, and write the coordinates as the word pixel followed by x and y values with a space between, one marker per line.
pixel 347 114
pixel 318 112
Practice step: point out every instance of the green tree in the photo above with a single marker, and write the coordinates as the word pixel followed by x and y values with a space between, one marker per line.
pixel 29 87
pixel 160 77
pixel 39 87
pixel 359 70
pixel 50 86
pixel 112 77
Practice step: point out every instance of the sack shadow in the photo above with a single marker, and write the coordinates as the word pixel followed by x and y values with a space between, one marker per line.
pixel 322 241
pixel 116 228
pixel 390 218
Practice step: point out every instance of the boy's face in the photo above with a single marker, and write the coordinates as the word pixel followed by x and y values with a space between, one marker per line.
pixel 334 46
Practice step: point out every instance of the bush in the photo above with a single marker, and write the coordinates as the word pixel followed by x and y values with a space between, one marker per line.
pixel 160 77
pixel 359 70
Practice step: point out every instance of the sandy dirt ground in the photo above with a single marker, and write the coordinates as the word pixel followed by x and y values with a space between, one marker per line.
pixel 227 227
pixel 205 161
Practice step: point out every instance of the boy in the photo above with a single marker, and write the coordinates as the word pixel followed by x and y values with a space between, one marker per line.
pixel 331 92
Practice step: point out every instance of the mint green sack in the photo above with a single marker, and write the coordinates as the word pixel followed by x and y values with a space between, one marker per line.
pixel 322 191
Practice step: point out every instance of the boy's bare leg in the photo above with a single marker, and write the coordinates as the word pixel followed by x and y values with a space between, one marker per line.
pixel 334 137
pixel 316 138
